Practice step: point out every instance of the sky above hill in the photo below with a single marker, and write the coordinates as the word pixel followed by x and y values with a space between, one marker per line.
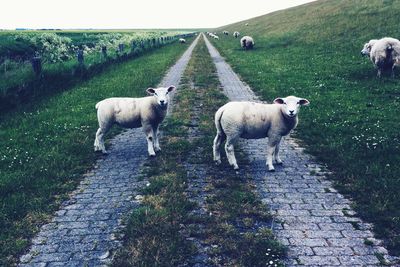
pixel 120 14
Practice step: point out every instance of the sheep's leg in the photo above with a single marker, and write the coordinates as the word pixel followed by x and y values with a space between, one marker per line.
pixel 150 139
pixel 394 66
pixel 99 141
pixel 156 141
pixel 272 144
pixel 230 152
pixel 277 158
pixel 379 73
pixel 219 138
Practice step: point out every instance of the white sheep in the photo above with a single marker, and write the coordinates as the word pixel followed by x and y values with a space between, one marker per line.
pixel 247 42
pixel 385 54
pixel 146 112
pixel 252 120
pixel 367 47
pixel 236 34
pixel 216 37
pixel 225 32
pixel 182 41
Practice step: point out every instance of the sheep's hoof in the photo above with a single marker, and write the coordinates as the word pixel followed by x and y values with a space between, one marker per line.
pixel 279 162
pixel 271 170
pixel 235 167
pixel 157 149
pixel 152 155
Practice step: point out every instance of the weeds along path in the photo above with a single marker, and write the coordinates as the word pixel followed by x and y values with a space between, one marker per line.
pixel 84 231
pixel 314 220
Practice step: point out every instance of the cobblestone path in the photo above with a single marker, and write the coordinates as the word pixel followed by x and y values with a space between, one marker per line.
pixel 313 219
pixel 84 232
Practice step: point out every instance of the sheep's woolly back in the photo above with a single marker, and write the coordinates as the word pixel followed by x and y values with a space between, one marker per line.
pixel 385 51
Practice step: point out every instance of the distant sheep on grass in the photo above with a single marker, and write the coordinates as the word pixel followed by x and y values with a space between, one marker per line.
pixel 252 120
pixel 247 42
pixel 384 54
pixel 182 41
pixel 236 34
pixel 146 112
pixel 225 32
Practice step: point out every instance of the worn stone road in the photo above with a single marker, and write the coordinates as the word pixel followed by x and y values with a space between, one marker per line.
pixel 84 232
pixel 314 220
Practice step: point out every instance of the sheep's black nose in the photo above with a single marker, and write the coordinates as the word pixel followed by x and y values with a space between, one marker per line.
pixel 291 111
pixel 162 102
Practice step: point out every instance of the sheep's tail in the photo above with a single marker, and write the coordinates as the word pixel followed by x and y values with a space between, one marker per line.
pixel 218 117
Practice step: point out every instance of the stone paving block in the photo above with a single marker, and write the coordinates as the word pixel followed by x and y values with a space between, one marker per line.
pixel 361 260
pixel 319 260
pixel 333 251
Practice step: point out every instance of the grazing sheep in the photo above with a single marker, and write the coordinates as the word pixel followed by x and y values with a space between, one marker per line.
pixel 247 42
pixel 367 47
pixel 146 112
pixel 247 24
pixel 236 34
pixel 385 54
pixel 252 120
pixel 225 32
pixel 215 37
pixel 182 41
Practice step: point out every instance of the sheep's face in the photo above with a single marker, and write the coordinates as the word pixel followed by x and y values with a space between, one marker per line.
pixel 367 47
pixel 290 105
pixel 161 94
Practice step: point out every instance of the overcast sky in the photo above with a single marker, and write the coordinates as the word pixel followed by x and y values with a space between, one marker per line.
pixel 124 14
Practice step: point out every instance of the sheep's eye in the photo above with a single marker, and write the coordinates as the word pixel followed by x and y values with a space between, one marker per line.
pixel 155 94
pixel 166 93
pixel 298 103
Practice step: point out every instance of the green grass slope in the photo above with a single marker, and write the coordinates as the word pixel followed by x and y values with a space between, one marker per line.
pixel 313 51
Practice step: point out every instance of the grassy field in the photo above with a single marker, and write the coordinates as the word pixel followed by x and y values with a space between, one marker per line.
pixel 46 146
pixel 313 51
pixel 157 233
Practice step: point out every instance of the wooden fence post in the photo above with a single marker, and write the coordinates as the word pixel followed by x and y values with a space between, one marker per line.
pixel 121 48
pixel 80 56
pixel 104 51
pixel 37 65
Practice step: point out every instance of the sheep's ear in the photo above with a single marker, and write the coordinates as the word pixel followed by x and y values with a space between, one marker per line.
pixel 150 91
pixel 279 101
pixel 171 88
pixel 304 102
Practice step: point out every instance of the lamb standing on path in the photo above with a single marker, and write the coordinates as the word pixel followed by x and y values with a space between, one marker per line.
pixel 147 112
pixel 252 120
